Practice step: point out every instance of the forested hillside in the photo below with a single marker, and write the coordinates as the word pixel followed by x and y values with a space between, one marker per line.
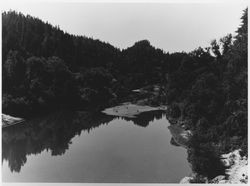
pixel 45 68
pixel 33 37
pixel 209 91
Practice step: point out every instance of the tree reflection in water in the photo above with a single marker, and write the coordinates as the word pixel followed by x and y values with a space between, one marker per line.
pixel 145 118
pixel 54 132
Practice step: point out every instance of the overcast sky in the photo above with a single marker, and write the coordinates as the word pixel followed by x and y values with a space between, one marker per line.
pixel 171 27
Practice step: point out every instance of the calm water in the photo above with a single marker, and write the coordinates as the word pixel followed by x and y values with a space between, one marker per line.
pixel 84 147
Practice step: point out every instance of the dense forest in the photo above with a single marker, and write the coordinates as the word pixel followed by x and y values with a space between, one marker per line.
pixel 211 88
pixel 44 68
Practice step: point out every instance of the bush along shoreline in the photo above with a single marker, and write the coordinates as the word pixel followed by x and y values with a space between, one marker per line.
pixel 226 168
pixel 207 94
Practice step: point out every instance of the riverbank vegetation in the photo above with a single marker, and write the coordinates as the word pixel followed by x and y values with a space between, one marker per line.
pixel 210 86
pixel 44 68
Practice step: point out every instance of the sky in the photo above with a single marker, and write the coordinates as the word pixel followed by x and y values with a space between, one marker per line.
pixel 173 27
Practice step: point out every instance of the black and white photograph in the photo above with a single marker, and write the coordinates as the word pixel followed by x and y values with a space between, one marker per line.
pixel 137 92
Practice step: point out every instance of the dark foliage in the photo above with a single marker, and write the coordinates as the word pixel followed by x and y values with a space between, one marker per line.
pixel 211 83
pixel 45 68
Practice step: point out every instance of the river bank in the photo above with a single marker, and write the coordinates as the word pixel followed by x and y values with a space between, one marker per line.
pixel 236 173
pixel 237 165
pixel 8 120
pixel 130 110
pixel 180 135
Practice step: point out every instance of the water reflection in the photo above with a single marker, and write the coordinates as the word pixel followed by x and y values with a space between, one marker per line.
pixel 54 133
pixel 145 118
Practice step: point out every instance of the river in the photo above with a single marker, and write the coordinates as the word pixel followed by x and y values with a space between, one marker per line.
pixel 87 147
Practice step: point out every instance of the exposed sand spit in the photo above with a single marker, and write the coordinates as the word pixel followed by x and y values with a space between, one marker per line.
pixel 8 120
pixel 130 110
